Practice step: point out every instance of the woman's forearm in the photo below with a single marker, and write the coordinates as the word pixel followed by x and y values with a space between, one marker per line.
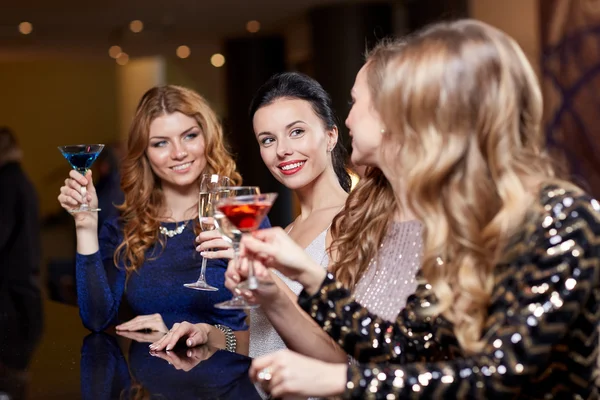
pixel 299 332
pixel 87 240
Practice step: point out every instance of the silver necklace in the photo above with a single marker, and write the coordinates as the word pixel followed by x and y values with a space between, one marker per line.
pixel 171 233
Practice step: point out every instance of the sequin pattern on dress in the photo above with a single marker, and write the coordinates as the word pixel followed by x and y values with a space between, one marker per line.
pixel 540 338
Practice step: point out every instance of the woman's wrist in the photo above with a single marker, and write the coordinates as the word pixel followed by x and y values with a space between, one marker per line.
pixel 87 240
pixel 312 280
pixel 278 305
pixel 340 373
pixel 223 337
pixel 334 379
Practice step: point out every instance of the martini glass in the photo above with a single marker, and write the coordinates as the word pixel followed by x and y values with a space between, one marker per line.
pixel 231 234
pixel 81 157
pixel 206 199
pixel 235 216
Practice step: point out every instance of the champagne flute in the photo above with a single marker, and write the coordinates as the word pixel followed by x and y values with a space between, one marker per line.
pixel 233 235
pixel 206 199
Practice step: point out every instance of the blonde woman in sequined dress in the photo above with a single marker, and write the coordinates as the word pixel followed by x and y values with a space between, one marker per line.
pixel 509 286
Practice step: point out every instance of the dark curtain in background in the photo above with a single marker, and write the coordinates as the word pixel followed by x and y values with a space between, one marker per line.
pixel 570 41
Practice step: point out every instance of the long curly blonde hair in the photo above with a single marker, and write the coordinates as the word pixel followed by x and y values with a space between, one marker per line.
pixel 143 194
pixel 359 229
pixel 463 111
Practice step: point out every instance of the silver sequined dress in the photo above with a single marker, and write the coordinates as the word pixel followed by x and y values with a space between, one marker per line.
pixel 383 289
pixel 390 278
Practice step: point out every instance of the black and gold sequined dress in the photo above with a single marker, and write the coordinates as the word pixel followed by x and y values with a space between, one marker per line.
pixel 541 337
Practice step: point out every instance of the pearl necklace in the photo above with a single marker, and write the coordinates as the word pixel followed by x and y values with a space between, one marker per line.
pixel 171 233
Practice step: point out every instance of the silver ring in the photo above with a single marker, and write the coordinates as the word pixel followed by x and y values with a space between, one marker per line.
pixel 265 374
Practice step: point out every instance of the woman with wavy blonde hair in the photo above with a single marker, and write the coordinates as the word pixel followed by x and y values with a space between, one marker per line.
pixel 507 304
pixel 148 253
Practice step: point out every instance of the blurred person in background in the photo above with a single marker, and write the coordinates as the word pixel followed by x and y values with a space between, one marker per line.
pixel 21 319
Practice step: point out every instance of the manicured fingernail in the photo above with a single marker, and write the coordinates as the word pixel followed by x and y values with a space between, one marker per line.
pixel 236 278
pixel 152 346
pixel 189 342
pixel 202 253
pixel 169 347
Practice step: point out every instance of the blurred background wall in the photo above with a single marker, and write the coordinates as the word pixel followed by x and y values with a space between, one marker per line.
pixel 59 85
pixel 72 72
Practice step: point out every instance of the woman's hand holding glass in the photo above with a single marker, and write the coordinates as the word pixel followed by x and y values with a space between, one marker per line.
pixel 209 187
pixel 273 248
pixel 212 245
pixel 71 197
pixel 268 294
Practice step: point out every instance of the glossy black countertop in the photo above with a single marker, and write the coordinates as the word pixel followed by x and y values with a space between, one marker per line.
pixel 70 362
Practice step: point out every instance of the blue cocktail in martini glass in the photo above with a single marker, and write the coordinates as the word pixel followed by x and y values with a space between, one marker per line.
pixel 81 157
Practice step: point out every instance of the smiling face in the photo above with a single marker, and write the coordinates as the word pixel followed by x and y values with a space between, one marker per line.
pixel 293 141
pixel 176 149
pixel 364 124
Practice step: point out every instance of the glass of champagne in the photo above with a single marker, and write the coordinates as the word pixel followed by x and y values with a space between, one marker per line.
pixel 233 234
pixel 81 157
pixel 206 199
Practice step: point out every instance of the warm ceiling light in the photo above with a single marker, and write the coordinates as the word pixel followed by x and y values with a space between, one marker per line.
pixel 253 26
pixel 136 26
pixel 114 51
pixel 183 52
pixel 217 60
pixel 122 59
pixel 25 28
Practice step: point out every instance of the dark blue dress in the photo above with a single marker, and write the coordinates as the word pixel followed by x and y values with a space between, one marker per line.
pixel 157 287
